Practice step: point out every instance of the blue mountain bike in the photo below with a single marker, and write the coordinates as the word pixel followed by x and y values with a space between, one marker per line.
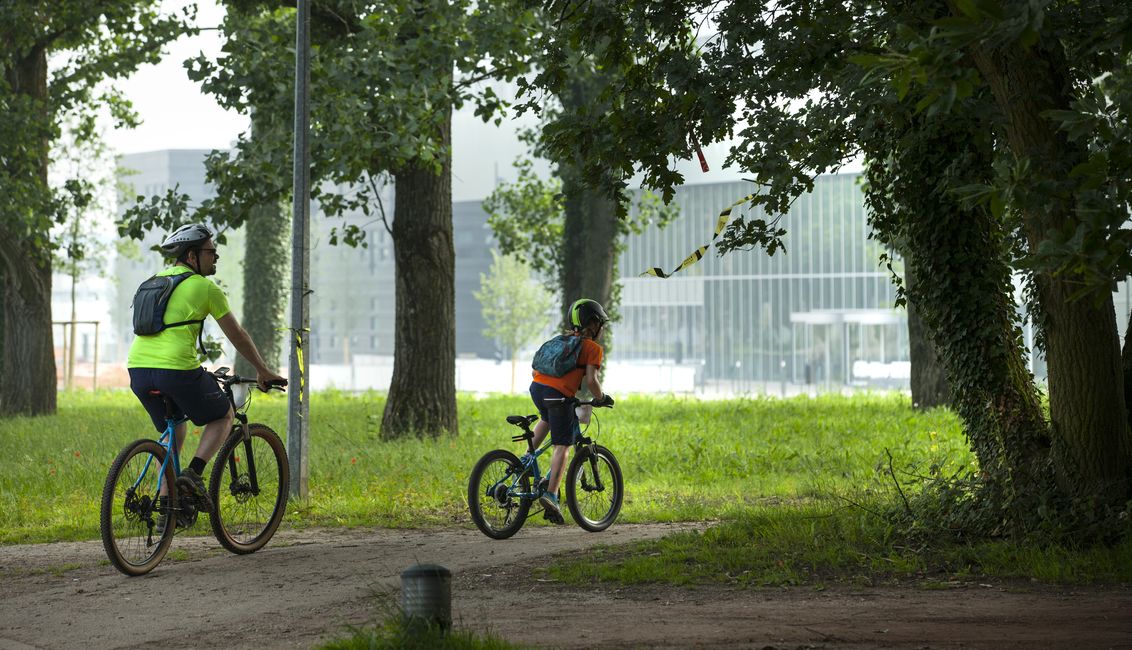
pixel 141 507
pixel 503 487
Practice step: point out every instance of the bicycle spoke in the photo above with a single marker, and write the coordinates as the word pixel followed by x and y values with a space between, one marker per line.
pixel 130 510
pixel 594 490
pixel 492 488
pixel 248 486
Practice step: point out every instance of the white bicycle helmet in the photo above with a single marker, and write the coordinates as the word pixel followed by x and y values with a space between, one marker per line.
pixel 184 238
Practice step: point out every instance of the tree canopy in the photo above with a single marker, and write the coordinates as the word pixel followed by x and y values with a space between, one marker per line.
pixel 385 77
pixel 55 57
pixel 1021 96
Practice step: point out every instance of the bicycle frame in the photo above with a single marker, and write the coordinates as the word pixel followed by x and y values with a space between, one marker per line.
pixel 167 440
pixel 533 467
pixel 536 473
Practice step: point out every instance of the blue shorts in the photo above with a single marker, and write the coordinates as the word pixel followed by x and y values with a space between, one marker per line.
pixel 195 394
pixel 554 408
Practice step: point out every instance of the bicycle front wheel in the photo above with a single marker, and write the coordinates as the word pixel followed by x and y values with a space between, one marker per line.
pixel 594 488
pixel 131 509
pixel 249 487
pixel 497 512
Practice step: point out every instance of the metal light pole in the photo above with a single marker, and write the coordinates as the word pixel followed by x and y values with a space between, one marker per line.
pixel 298 397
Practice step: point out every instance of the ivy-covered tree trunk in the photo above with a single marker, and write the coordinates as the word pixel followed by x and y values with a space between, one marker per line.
pixel 1093 446
pixel 266 254
pixel 29 382
pixel 929 380
pixel 422 395
pixel 961 281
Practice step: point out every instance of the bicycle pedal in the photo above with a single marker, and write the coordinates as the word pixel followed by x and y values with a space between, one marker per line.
pixel 553 518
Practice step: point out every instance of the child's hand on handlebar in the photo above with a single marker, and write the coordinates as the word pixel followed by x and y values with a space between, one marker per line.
pixel 606 401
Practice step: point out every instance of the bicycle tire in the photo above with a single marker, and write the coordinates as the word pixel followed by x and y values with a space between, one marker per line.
pixel 248 486
pixel 129 515
pixel 496 513
pixel 594 509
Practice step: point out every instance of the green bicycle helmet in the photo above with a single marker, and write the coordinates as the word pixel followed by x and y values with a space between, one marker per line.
pixel 585 310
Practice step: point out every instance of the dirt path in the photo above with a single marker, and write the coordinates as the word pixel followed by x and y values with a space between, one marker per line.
pixel 309 586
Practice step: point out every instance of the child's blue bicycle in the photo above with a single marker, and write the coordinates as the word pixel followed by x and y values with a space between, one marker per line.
pixel 502 487
pixel 141 507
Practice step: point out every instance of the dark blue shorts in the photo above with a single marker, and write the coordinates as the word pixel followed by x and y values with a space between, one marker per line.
pixel 195 394
pixel 554 407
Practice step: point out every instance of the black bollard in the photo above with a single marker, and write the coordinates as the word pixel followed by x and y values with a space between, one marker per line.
pixel 426 596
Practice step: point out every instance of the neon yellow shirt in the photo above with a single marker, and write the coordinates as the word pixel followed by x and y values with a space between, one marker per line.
pixel 175 348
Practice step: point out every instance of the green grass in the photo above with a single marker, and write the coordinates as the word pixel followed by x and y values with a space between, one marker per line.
pixel 821 543
pixel 683 459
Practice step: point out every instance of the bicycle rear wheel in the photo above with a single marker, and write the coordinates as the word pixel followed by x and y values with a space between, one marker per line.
pixel 594 488
pixel 131 509
pixel 496 512
pixel 249 487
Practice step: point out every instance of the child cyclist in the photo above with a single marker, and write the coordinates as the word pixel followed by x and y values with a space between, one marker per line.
pixel 587 320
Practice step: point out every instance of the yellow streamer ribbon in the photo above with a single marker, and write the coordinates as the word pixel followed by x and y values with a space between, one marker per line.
pixel 698 254
pixel 299 357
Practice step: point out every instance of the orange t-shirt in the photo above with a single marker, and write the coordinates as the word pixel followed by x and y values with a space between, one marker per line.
pixel 568 384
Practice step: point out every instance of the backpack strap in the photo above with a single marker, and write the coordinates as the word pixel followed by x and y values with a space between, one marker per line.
pixel 179 278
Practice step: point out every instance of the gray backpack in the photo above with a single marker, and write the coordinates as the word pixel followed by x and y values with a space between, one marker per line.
pixel 150 301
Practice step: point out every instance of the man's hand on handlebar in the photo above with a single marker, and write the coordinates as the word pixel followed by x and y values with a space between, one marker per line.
pixel 605 402
pixel 268 380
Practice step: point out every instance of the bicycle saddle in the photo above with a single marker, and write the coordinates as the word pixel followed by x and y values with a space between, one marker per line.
pixel 520 421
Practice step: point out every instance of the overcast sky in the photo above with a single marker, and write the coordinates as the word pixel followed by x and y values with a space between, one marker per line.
pixel 176 115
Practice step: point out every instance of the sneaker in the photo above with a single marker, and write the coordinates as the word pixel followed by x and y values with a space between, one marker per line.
pixel 192 484
pixel 553 512
pixel 162 519
pixel 182 523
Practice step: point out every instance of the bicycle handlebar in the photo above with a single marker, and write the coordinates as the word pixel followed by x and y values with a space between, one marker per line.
pixel 607 404
pixel 221 375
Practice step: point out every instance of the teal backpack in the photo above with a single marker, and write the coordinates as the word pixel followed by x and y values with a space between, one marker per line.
pixel 558 356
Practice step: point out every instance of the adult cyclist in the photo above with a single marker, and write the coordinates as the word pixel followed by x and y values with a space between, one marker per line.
pixel 168 361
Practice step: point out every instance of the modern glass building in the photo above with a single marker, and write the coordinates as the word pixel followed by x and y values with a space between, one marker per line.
pixel 818 316
pixel 154 173
pixel 820 312
pixel 353 304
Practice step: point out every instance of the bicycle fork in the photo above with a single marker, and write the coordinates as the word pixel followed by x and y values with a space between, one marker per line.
pixel 597 486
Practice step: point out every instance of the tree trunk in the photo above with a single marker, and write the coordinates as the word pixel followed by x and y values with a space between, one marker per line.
pixel 1093 447
pixel 591 230
pixel 70 361
pixel 929 380
pixel 29 383
pixel 266 254
pixel 514 362
pixel 960 282
pixel 1126 362
pixel 590 246
pixel 422 395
